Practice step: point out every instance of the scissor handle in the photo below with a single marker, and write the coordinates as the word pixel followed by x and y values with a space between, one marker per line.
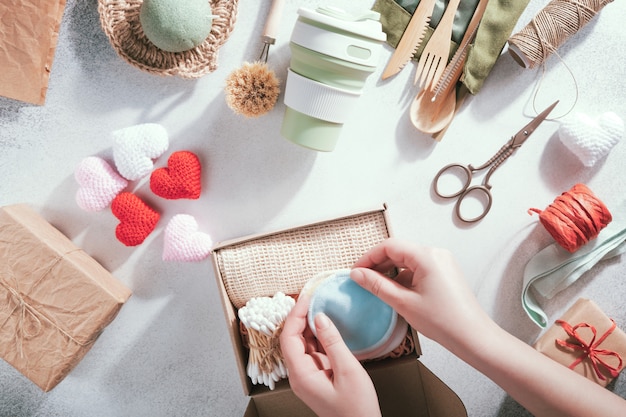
pixel 468 178
pixel 475 189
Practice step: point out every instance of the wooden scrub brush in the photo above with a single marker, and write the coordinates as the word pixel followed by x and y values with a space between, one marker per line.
pixel 253 89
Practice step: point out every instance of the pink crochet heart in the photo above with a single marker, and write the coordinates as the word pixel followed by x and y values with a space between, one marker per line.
pixel 137 219
pixel 99 184
pixel 135 147
pixel 183 242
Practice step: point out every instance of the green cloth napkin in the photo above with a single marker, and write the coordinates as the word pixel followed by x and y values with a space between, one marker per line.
pixel 553 269
pixel 495 29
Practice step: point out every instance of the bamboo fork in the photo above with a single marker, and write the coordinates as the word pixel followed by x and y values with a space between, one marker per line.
pixel 435 56
pixel 433 109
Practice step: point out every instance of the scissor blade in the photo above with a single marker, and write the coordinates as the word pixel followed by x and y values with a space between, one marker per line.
pixel 521 136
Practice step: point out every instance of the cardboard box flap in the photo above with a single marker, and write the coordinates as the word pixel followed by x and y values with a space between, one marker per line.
pixel 405 388
pixel 278 403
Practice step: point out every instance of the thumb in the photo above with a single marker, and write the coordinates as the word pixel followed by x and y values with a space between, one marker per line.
pixel 336 349
pixel 384 288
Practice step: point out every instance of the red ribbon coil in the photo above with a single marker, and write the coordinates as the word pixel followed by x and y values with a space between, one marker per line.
pixel 590 350
pixel 575 217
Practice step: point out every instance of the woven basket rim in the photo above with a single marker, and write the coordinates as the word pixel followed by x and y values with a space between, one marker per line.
pixel 120 21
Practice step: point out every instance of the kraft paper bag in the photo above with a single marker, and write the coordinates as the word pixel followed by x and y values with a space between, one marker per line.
pixel 28 38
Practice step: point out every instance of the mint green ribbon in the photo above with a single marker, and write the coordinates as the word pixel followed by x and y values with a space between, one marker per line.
pixel 553 269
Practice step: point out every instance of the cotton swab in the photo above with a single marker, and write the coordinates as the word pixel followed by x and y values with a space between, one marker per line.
pixel 263 317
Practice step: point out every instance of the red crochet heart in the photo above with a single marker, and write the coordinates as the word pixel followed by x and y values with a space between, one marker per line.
pixel 137 219
pixel 180 179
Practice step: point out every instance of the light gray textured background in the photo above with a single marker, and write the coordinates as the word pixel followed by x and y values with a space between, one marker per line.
pixel 168 352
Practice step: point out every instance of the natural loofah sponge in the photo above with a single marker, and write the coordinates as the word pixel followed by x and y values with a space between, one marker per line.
pixel 176 25
pixel 98 184
pixel 180 179
pixel 183 242
pixel 136 146
pixel 137 219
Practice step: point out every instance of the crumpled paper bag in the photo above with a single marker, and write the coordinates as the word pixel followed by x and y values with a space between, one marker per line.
pixel 28 37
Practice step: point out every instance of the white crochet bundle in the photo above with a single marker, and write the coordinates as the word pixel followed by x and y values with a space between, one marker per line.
pixel 591 139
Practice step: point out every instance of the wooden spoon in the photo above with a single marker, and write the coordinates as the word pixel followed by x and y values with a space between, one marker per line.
pixel 430 116
pixel 434 107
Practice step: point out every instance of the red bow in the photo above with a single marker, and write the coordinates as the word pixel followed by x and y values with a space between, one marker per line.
pixel 590 350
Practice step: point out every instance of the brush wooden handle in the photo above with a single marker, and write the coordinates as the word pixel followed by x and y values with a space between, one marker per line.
pixel 273 21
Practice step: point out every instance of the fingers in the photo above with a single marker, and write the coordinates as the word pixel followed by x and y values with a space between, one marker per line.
pixel 340 357
pixel 292 341
pixel 391 252
pixel 391 292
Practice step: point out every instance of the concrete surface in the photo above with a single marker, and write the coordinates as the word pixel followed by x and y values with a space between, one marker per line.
pixel 168 352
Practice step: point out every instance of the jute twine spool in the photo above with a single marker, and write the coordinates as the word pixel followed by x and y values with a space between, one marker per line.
pixel 575 217
pixel 553 25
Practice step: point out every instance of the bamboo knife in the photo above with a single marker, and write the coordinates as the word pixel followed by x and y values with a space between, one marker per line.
pixel 411 38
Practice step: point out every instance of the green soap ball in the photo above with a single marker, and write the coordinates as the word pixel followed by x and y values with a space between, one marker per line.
pixel 176 25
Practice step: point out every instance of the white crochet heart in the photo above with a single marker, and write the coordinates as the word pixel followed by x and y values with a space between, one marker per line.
pixel 135 147
pixel 591 139
pixel 99 184
pixel 183 242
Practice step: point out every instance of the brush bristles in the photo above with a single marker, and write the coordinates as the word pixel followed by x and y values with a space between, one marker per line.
pixel 252 90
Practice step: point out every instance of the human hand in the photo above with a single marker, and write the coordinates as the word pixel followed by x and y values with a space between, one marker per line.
pixel 430 291
pixel 323 372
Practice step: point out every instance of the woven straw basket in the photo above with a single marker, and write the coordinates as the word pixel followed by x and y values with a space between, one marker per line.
pixel 120 22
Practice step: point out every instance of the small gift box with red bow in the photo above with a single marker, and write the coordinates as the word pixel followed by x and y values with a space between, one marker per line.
pixel 586 340
pixel 55 300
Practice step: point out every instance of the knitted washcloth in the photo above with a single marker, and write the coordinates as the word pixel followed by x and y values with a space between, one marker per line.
pixel 591 139
pixel 183 242
pixel 137 219
pixel 98 184
pixel 135 147
pixel 180 179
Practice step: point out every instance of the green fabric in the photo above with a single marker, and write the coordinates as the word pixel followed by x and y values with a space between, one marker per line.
pixel 495 28
pixel 462 15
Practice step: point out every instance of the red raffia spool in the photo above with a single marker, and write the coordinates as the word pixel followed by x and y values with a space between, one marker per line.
pixel 575 217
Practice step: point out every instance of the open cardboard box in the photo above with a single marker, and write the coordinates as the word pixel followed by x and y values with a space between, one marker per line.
pixel 261 265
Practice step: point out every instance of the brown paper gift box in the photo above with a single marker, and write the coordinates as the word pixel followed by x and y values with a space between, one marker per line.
pixel 55 300
pixel 585 311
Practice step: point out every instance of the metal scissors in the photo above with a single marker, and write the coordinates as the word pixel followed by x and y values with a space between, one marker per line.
pixel 467 171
